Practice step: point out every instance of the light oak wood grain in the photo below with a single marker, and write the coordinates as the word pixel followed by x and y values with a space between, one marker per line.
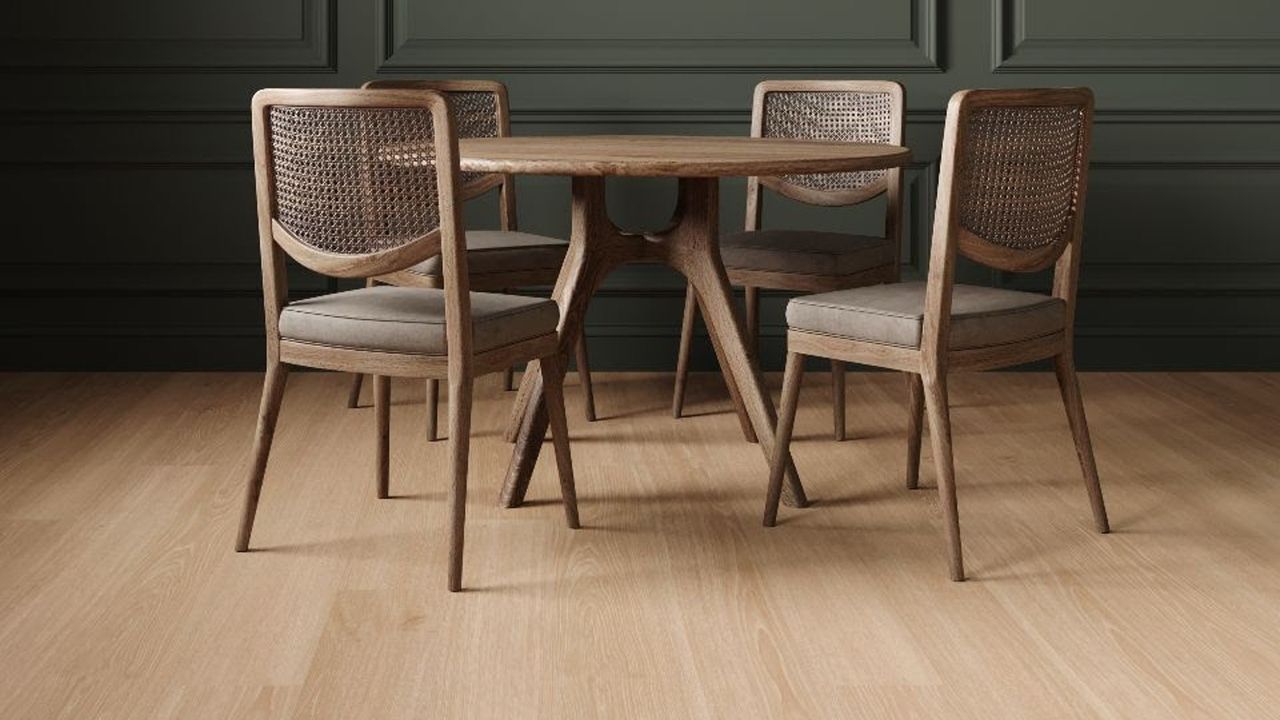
pixel 120 596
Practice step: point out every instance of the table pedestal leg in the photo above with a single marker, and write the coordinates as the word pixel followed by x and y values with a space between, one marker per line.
pixel 691 246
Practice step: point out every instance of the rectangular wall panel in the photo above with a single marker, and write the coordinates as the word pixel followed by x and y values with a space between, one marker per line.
pixel 515 34
pixel 170 35
pixel 1103 35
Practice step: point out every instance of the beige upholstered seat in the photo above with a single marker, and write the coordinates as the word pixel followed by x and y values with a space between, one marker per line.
pixel 411 320
pixel 806 251
pixel 503 251
pixel 894 315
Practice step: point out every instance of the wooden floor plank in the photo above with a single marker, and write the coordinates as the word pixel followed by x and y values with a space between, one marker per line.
pixel 120 596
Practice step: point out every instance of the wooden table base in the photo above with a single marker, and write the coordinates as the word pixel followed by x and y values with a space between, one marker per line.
pixel 690 245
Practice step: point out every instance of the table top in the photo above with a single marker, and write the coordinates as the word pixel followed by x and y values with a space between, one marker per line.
pixel 673 155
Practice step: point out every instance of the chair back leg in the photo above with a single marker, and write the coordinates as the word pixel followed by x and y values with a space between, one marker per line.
pixel 268 413
pixel 1069 385
pixel 353 395
pixel 837 400
pixel 915 428
pixel 433 410
pixel 382 458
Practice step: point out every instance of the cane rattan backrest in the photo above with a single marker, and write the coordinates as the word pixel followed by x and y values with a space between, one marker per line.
pixel 841 110
pixel 480 110
pixel 354 183
pixel 1019 174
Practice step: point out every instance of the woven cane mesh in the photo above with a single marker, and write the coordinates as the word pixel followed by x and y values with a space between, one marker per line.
pixel 354 181
pixel 845 116
pixel 476 116
pixel 1020 174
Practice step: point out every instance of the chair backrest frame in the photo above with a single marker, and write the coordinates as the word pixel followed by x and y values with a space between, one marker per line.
pixel 448 240
pixel 473 184
pixel 951 237
pixel 890 183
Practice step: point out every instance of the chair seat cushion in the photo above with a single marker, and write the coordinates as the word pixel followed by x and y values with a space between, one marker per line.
pixel 893 314
pixel 501 251
pixel 805 251
pixel 411 320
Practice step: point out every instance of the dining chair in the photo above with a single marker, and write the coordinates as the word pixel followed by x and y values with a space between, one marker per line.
pixel 810 261
pixel 500 260
pixel 1010 196
pixel 360 183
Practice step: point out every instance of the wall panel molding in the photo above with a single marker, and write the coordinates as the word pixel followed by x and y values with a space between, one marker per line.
pixel 314 50
pixel 1016 50
pixel 403 50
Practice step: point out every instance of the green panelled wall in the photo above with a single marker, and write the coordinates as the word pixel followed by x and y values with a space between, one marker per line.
pixel 129 228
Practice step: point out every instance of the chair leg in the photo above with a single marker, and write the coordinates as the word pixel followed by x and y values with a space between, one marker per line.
pixel 753 319
pixel 935 397
pixel 382 408
pixel 459 448
pixel 433 410
pixel 682 359
pixel 509 375
pixel 584 376
pixel 553 391
pixel 837 399
pixel 915 427
pixel 268 412
pixel 791 378
pixel 1069 384
pixel 353 395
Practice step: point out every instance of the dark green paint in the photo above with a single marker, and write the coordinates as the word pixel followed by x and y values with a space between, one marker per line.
pixel 124 157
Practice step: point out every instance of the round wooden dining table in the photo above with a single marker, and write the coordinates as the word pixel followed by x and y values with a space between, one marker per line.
pixel 689 244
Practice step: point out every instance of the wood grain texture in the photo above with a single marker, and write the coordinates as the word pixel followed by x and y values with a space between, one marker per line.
pixel 968 154
pixel 689 245
pixel 672 156
pixel 120 596
pixel 782 278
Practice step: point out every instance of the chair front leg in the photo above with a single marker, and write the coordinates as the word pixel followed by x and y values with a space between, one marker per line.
pixel 433 410
pixel 459 449
pixel 791 378
pixel 935 397
pixel 268 413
